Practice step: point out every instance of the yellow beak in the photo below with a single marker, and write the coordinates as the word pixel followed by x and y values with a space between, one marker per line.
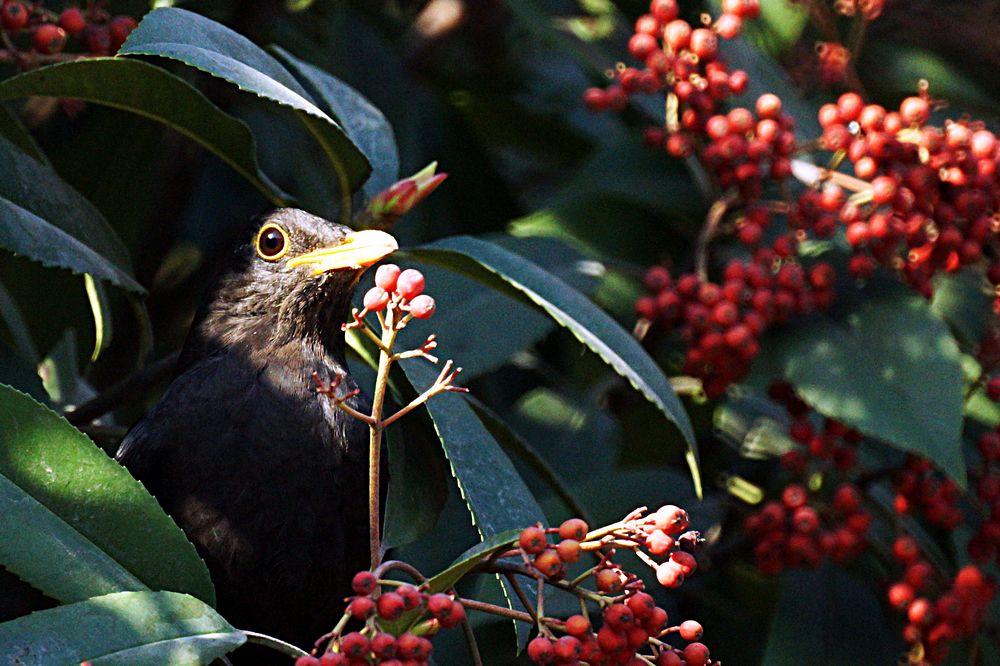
pixel 359 249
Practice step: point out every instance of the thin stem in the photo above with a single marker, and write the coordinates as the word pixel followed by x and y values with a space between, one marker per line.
pixel 124 391
pixel 275 644
pixel 470 639
pixel 389 565
pixel 484 607
pixel 519 591
pixel 712 222
pixel 375 443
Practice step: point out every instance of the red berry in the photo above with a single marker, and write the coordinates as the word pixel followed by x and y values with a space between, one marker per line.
pixel 684 561
pixel 354 645
pixel 49 38
pixel 376 299
pixel 900 596
pixel 669 575
pixel 568 550
pixel 664 10
pixel 362 608
pixel 905 549
pixel 769 106
pixel 384 646
pixel 13 16
pixel 386 276
pixel 704 43
pixel 533 540
pixel 363 583
pixel 410 283
pixel 422 306
pixel 541 650
pixel 454 616
pixel 97 39
pixel 619 617
pixel 577 625
pixel 71 20
pixel 331 659
pixel 915 111
pixel 691 630
pixel 548 562
pixel 568 648
pixel 659 542
pixel 696 654
pixel 119 29
pixel 574 528
pixel 391 606
pixel 608 581
pixel 307 661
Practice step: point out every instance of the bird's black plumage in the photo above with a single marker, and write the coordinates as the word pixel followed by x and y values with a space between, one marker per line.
pixel 266 477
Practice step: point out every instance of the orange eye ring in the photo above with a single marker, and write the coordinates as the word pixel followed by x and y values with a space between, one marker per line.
pixel 272 242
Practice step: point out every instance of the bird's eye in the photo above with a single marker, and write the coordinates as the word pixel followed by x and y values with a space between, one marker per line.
pixel 272 242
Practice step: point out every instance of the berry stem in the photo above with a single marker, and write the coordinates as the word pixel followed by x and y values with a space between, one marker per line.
pixel 375 440
pixel 712 222
pixel 484 607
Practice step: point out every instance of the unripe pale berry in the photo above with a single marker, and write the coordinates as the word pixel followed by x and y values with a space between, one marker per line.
pixel 376 299
pixel 386 276
pixel 422 306
pixel 410 283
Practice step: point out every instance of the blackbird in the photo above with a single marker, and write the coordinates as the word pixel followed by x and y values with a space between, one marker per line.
pixel 265 476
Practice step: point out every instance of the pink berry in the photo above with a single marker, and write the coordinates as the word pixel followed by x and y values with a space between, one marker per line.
pixel 386 276
pixel 376 299
pixel 422 307
pixel 410 283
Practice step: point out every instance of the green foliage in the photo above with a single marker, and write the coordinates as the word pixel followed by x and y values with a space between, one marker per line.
pixel 93 522
pixel 872 363
pixel 121 628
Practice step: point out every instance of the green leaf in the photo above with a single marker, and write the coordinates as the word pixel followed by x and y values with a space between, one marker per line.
pixel 12 318
pixel 446 579
pixel 216 50
pixel 367 127
pixel 151 92
pixel 493 491
pixel 14 131
pixel 882 362
pixel 44 219
pixel 64 472
pixel 963 300
pixel 51 555
pixel 121 628
pixel 527 282
pixel 829 618
pixel 463 331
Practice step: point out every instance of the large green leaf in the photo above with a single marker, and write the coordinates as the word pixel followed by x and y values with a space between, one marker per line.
pixel 494 492
pixel 47 460
pixel 882 362
pixel 829 618
pixel 151 92
pixel 364 124
pixel 44 219
pixel 215 49
pixel 51 555
pixel 120 628
pixel 516 276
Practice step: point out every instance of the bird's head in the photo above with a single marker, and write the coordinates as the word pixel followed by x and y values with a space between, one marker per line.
pixel 293 278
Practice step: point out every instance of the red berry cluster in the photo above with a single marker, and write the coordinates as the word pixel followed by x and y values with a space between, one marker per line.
pixel 789 533
pixel 985 545
pixel 939 611
pixel 721 323
pixel 97 32
pixel 373 646
pixel 632 624
pixel 675 52
pixel 832 446
pixel 402 289
pixel 922 490
pixel 626 627
pixel 934 192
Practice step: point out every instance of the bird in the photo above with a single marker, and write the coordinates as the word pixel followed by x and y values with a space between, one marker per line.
pixel 268 478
